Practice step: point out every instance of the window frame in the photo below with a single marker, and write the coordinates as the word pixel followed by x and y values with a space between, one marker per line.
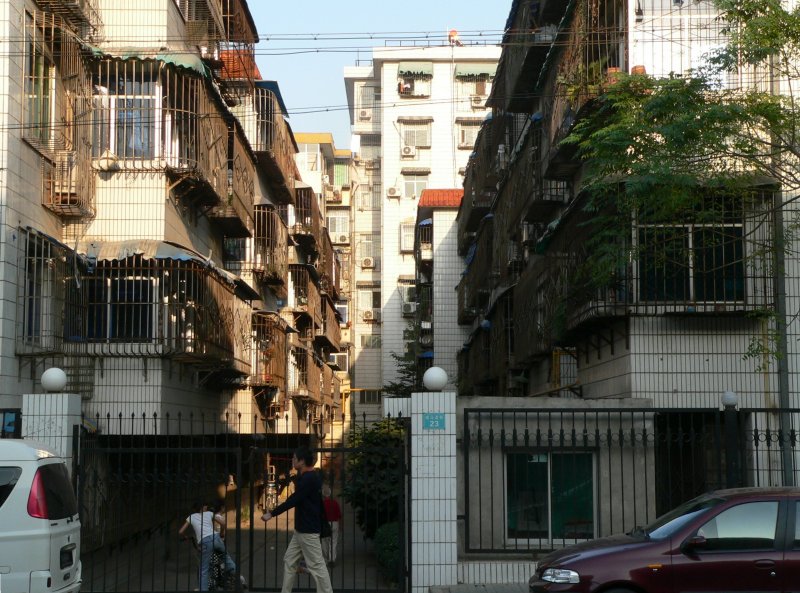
pixel 416 183
pixel 36 85
pixel 416 134
pixel 650 284
pixel 407 230
pixel 549 455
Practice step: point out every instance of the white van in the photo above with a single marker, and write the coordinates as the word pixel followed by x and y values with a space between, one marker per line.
pixel 40 534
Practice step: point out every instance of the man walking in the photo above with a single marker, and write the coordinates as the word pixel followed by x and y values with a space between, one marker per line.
pixel 305 543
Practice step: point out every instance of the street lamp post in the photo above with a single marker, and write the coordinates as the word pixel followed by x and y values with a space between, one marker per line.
pixel 731 420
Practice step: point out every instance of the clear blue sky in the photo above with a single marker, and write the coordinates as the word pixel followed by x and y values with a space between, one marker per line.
pixel 313 82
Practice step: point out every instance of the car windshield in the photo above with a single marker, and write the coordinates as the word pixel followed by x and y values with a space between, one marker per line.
pixel 674 520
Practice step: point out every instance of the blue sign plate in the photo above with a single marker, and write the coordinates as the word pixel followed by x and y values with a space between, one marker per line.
pixel 433 421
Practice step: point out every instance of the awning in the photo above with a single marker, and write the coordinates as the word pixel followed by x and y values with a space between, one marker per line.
pixel 427 354
pixel 464 70
pixel 415 119
pixel 154 249
pixel 426 222
pixel 415 69
pixel 186 60
pixel 415 171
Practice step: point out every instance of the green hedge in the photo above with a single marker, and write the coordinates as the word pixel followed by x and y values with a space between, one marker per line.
pixel 387 550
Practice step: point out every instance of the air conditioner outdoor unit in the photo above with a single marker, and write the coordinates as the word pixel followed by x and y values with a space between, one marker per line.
pixel 369 315
pixel 426 339
pixel 393 192
pixel 365 115
pixel 409 308
pixel 368 262
pixel 477 100
pixel 409 151
pixel 343 238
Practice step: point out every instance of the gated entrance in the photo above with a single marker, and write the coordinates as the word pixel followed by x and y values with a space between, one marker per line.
pixel 136 492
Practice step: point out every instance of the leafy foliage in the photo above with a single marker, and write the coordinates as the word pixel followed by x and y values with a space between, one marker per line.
pixel 406 381
pixel 388 552
pixel 375 480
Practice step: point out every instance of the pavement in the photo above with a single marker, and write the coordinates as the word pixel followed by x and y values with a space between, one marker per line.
pixel 490 588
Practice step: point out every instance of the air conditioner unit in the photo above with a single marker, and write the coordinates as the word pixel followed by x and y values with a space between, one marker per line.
pixel 477 100
pixel 409 308
pixel 365 115
pixel 326 179
pixel 343 238
pixel 408 151
pixel 368 262
pixel 426 339
pixel 393 192
pixel 369 315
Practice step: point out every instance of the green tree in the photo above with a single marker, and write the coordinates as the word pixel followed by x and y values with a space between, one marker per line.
pixel 375 479
pixel 406 379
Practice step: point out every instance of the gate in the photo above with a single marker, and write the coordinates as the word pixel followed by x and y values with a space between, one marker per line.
pixel 135 492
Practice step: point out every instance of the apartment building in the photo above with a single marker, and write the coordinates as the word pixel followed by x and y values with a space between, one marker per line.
pixel 150 194
pixel 415 112
pixel 667 331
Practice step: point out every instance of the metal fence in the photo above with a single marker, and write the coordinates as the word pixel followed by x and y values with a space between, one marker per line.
pixel 137 488
pixel 539 479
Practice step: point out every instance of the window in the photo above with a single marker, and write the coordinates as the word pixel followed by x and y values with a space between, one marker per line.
pixel 9 476
pixel 369 299
pixel 414 79
pixel 416 134
pixel 369 101
pixel 370 197
pixel 369 245
pixel 344 312
pixel 748 526
pixel 370 341
pixel 413 185
pixel 39 86
pixel 121 309
pixel 127 112
pixel 369 396
pixel 550 496
pixel 467 133
pixel 38 302
pixel 407 236
pixel 338 223
pixel 691 262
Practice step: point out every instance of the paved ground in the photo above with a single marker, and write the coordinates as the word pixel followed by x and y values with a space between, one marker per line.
pixel 510 588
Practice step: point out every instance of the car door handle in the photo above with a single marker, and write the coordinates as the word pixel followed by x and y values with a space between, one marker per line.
pixel 765 563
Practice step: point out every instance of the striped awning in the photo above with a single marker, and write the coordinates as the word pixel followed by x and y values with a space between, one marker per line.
pixel 415 69
pixel 471 69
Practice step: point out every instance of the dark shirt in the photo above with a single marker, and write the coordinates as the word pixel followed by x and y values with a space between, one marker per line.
pixel 306 501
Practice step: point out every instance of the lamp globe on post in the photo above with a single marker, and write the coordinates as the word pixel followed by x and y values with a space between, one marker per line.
pixel 434 379
pixel 54 380
pixel 729 399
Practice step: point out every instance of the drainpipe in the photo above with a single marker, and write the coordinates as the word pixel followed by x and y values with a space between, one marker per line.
pixel 779 288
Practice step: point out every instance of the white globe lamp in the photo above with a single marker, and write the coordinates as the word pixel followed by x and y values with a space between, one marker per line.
pixel 54 380
pixel 434 379
pixel 729 399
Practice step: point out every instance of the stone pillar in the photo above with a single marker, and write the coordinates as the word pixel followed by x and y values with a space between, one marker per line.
pixel 434 549
pixel 50 418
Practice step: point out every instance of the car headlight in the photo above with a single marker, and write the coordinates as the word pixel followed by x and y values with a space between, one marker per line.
pixel 561 575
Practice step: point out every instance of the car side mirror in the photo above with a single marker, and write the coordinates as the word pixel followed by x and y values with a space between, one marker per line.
pixel 694 542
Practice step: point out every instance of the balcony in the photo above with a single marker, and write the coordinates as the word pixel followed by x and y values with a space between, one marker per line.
pixel 306 224
pixel 329 335
pixel 270 238
pixel 152 116
pixel 329 268
pixel 539 311
pixel 479 278
pixel 158 299
pixel 305 375
pixel 305 299
pixel 69 183
pixel 235 216
pixel 82 15
pixel 271 138
pixel 269 351
pixel 425 240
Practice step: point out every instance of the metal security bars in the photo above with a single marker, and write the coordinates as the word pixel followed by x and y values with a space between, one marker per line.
pixel 536 479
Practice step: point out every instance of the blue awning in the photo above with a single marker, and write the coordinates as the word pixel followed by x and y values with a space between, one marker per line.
pixel 427 354
pixel 426 222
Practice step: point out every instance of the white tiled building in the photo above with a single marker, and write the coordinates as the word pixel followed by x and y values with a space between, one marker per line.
pixel 415 113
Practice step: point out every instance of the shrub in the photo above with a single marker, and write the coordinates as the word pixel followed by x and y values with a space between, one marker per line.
pixel 388 552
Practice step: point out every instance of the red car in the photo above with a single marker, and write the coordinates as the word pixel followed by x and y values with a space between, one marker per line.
pixel 738 540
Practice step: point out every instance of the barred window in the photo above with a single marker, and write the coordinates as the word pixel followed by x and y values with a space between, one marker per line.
pixel 371 341
pixel 39 85
pixel 413 185
pixel 407 236
pixel 369 245
pixel 369 396
pixel 416 134
pixel 467 133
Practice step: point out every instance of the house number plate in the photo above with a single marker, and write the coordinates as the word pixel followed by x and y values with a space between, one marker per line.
pixel 433 421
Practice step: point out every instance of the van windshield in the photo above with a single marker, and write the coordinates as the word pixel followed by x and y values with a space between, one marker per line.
pixel 674 520
pixel 61 502
pixel 8 479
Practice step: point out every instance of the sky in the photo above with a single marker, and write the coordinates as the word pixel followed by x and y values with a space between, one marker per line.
pixel 306 44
